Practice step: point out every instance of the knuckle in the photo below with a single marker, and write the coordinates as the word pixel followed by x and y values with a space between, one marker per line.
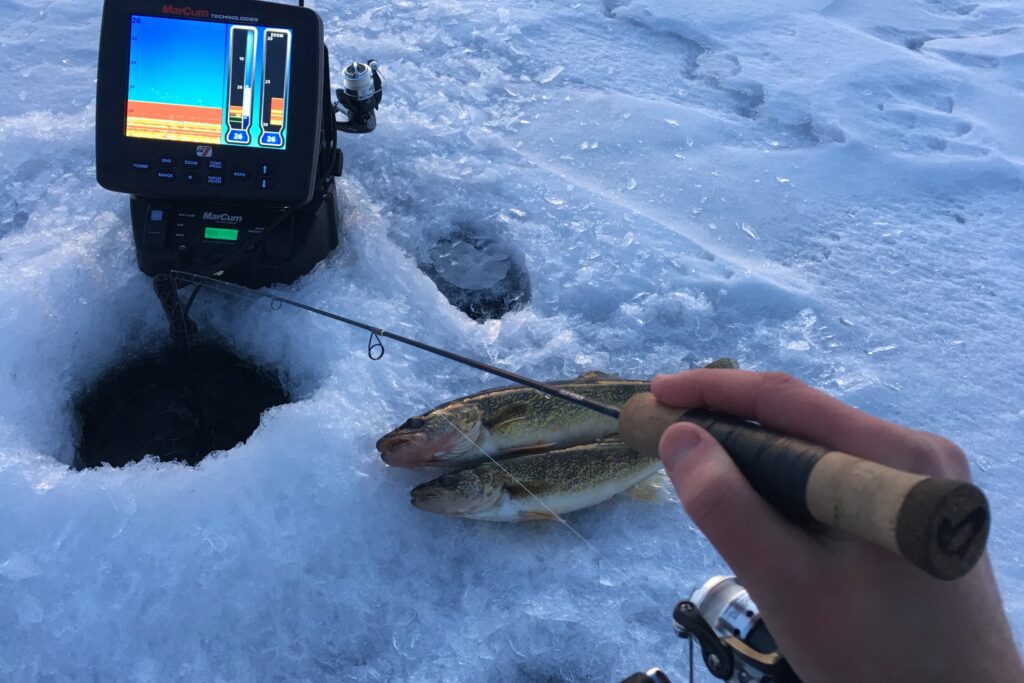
pixel 774 384
pixel 950 458
pixel 937 456
pixel 779 380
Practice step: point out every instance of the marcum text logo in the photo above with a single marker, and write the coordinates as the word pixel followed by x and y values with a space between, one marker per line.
pixel 221 217
pixel 184 11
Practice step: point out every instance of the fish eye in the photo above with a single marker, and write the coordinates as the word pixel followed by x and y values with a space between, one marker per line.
pixel 449 481
pixel 414 423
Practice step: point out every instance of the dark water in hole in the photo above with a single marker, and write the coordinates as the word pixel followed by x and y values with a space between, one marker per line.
pixel 156 405
pixel 482 275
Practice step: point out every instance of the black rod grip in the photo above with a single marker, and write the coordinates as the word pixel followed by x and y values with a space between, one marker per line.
pixel 939 525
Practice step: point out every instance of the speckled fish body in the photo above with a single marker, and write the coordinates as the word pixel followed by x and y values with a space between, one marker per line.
pixel 537 486
pixel 506 421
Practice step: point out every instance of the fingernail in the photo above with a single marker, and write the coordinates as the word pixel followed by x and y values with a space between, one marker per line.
pixel 676 445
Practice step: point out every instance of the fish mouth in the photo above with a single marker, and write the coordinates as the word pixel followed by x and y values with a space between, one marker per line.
pixel 413 450
pixel 430 498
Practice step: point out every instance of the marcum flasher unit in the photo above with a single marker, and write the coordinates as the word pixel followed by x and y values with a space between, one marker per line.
pixel 218 120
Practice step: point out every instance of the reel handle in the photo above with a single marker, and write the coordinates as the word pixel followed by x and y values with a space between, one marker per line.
pixel 939 525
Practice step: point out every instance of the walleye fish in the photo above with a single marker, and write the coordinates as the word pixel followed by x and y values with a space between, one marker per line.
pixel 512 420
pixel 560 481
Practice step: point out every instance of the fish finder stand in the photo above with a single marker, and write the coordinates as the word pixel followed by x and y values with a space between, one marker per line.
pixel 218 121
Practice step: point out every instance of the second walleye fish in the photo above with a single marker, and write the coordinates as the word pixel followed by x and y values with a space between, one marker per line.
pixel 538 486
pixel 506 421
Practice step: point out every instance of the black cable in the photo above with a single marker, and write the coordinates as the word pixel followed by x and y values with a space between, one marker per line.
pixel 192 298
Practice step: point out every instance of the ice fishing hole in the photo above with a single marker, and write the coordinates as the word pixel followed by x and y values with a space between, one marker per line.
pixel 482 275
pixel 174 404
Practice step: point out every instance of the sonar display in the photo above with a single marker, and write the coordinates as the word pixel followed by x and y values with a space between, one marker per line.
pixel 208 82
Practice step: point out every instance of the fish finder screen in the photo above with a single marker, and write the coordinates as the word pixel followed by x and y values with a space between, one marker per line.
pixel 207 82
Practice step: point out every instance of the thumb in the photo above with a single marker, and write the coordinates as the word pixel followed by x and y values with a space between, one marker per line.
pixel 748 532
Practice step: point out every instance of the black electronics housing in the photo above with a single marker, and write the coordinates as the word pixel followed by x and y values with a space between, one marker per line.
pixel 193 203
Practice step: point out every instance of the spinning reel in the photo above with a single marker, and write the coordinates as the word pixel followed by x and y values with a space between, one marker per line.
pixel 734 642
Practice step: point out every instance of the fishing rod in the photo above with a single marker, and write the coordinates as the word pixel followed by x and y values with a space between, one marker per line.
pixel 939 525
pixel 377 332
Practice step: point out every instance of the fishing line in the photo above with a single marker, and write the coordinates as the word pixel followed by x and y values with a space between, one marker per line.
pixel 558 517
pixel 525 488
pixel 375 348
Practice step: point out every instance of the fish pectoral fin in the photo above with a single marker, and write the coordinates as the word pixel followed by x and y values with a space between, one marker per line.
pixel 597 374
pixel 526 450
pixel 497 427
pixel 537 515
pixel 507 416
pixel 653 489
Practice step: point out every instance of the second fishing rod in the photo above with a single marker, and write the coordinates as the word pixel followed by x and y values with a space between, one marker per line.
pixel 939 525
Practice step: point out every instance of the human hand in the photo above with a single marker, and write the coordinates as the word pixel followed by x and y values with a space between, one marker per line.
pixel 840 609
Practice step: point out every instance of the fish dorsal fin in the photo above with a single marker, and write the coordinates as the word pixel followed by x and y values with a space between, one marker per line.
pixel 525 488
pixel 725 363
pixel 506 416
pixel 597 374
pixel 650 490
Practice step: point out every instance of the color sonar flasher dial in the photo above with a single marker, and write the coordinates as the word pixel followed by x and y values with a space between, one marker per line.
pixel 275 87
pixel 241 82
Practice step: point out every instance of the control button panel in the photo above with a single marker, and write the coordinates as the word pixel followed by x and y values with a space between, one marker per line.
pixel 213 176
pixel 208 175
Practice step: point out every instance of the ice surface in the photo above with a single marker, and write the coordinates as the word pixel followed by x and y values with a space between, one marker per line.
pixel 632 151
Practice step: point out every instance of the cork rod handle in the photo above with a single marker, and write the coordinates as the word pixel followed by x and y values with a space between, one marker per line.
pixel 939 525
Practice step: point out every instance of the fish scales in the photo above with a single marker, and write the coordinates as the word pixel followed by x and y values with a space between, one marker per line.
pixel 505 421
pixel 508 421
pixel 538 486
pixel 577 469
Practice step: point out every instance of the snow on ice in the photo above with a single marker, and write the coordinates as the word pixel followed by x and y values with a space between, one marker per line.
pixel 870 154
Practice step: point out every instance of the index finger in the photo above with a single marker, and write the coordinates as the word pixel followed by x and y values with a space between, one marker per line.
pixel 785 404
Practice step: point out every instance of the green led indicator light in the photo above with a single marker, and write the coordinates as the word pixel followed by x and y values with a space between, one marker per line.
pixel 227 234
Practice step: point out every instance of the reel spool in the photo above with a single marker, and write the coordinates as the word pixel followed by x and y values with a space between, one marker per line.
pixel 734 641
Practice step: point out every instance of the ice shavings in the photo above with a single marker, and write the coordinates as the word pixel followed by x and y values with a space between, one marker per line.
pixel 877 157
